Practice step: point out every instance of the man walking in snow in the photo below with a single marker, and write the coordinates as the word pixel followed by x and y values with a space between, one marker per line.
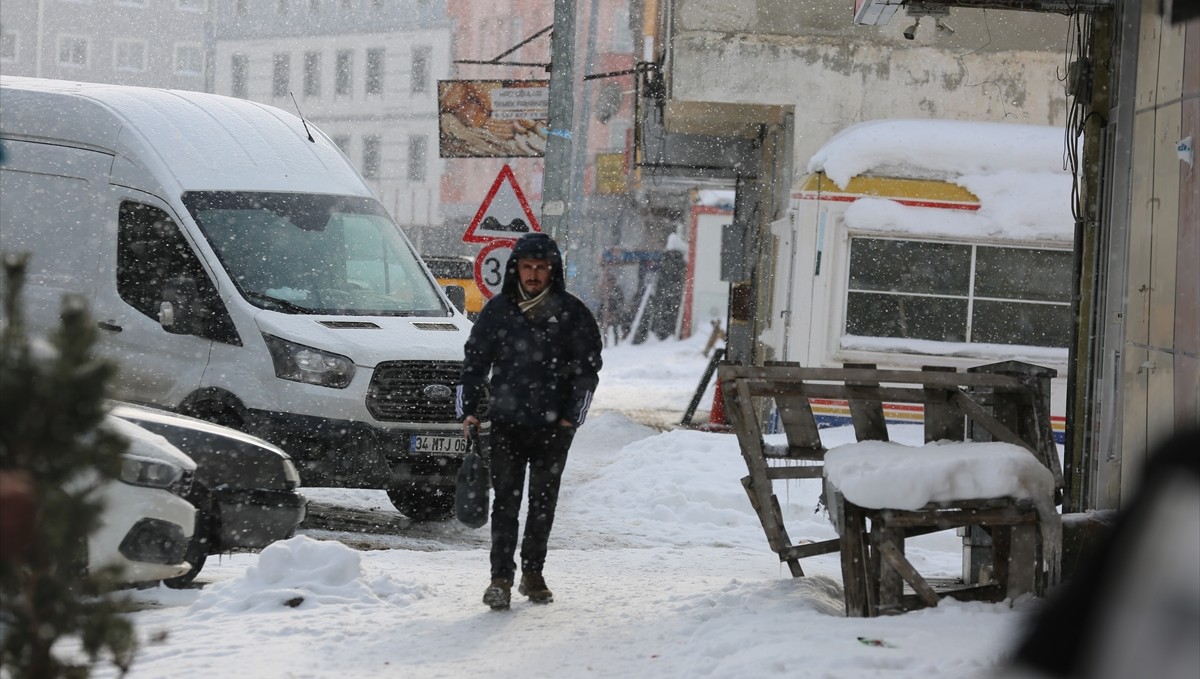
pixel 542 348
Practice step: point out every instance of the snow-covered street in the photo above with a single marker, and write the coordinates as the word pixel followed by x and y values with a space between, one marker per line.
pixel 658 564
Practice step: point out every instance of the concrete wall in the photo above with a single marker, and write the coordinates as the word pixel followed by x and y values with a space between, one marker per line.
pixel 834 84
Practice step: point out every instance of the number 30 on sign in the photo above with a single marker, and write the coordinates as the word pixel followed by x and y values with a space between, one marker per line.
pixel 489 266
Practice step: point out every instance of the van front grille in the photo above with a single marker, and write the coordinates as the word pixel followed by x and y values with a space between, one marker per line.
pixel 414 391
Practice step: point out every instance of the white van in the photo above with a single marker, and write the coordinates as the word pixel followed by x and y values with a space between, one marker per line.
pixel 241 272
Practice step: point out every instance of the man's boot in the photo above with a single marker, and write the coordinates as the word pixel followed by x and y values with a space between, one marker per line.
pixel 533 585
pixel 498 594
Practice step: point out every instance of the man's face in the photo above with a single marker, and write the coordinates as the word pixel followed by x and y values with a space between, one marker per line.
pixel 534 274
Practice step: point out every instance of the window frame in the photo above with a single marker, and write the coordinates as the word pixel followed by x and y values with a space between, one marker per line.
pixel 372 156
pixel 969 296
pixel 14 39
pixel 177 61
pixel 241 83
pixel 312 74
pixel 281 65
pixel 120 43
pixel 87 50
pixel 376 66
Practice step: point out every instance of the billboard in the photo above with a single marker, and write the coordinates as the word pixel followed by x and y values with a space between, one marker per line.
pixel 492 118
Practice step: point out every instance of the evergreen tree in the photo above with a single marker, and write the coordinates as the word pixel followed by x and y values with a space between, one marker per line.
pixel 52 401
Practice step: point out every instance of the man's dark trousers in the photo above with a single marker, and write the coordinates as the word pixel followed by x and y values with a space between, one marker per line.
pixel 544 450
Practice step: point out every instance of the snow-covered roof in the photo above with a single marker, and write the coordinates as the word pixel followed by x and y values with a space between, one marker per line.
pixel 1018 172
pixel 939 149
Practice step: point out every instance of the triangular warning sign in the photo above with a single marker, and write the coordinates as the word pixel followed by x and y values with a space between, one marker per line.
pixel 505 213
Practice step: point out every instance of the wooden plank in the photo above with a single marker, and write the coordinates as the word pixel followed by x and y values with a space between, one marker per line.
pixel 785 375
pixel 943 420
pixel 991 424
pixel 945 519
pixel 799 426
pixel 891 582
pixel 811 549
pixel 1022 562
pixel 894 559
pixel 776 535
pixel 808 471
pixel 779 389
pixel 866 409
pixel 854 561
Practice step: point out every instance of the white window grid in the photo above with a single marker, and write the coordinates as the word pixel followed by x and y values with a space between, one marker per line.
pixel 129 56
pixel 10 46
pixel 74 51
pixel 189 59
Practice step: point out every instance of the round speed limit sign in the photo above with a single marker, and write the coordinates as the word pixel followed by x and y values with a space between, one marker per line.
pixel 489 266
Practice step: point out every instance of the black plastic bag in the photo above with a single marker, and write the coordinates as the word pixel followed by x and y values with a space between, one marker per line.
pixel 472 486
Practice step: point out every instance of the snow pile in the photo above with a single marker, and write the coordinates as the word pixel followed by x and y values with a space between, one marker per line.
pixel 300 573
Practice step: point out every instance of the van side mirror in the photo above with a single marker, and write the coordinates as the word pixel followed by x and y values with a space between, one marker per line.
pixel 457 295
pixel 179 312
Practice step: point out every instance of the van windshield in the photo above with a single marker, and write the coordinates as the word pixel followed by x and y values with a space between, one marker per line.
pixel 307 253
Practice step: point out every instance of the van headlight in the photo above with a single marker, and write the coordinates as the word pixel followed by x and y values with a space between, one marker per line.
pixel 299 363
pixel 145 471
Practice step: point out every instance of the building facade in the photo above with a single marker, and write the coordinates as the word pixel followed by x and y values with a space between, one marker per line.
pixel 158 43
pixel 364 71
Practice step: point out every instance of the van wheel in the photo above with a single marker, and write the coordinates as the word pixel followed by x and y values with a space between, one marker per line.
pixel 423 503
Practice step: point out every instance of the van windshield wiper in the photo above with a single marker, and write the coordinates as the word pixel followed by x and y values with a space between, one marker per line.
pixel 279 304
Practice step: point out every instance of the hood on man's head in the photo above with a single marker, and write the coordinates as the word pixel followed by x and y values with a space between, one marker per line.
pixel 536 245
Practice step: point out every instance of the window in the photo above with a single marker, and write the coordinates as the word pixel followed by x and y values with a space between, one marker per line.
pixel 420 70
pixel 312 74
pixel 129 56
pixel 150 252
pixel 189 60
pixel 72 51
pixel 281 75
pixel 372 148
pixel 343 142
pixel 375 70
pixel 239 72
pixel 343 73
pixel 416 158
pixel 8 46
pixel 951 292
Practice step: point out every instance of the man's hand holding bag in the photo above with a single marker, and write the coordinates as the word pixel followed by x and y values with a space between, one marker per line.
pixel 473 484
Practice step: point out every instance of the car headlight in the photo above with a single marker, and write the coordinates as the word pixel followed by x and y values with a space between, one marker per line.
pixel 299 363
pixel 145 471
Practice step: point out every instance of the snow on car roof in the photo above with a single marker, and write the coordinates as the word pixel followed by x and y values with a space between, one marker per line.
pixel 205 141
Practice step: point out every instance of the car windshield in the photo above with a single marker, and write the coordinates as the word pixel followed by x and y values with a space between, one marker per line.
pixel 315 254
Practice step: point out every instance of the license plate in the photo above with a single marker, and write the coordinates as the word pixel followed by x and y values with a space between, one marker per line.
pixel 422 443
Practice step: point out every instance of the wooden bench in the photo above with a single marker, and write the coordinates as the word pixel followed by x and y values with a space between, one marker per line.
pixel 1006 402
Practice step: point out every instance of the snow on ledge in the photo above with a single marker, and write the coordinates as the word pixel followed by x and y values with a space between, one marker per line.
pixel 887 475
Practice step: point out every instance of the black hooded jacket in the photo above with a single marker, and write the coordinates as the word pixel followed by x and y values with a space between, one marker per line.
pixel 544 364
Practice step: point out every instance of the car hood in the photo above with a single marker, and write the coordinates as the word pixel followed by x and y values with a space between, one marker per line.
pixel 370 340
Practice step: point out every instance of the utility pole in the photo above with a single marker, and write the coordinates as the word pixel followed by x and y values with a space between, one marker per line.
pixel 556 178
